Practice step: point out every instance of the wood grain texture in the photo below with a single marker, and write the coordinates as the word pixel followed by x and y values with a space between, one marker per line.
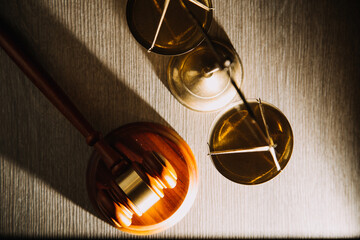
pixel 301 56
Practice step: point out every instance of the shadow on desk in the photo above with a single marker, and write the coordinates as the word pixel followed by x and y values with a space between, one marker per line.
pixel 34 134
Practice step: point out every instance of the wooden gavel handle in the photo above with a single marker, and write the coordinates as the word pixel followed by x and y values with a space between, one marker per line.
pixel 42 80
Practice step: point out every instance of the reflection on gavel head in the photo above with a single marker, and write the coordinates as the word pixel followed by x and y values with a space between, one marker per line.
pixel 153 184
pixel 142 186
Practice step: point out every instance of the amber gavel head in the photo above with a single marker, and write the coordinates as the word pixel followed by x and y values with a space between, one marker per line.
pixel 151 187
pixel 141 185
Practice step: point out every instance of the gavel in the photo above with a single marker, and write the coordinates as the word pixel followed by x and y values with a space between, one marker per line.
pixel 131 168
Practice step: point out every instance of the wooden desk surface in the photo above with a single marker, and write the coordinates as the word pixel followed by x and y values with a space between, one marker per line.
pixel 301 56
